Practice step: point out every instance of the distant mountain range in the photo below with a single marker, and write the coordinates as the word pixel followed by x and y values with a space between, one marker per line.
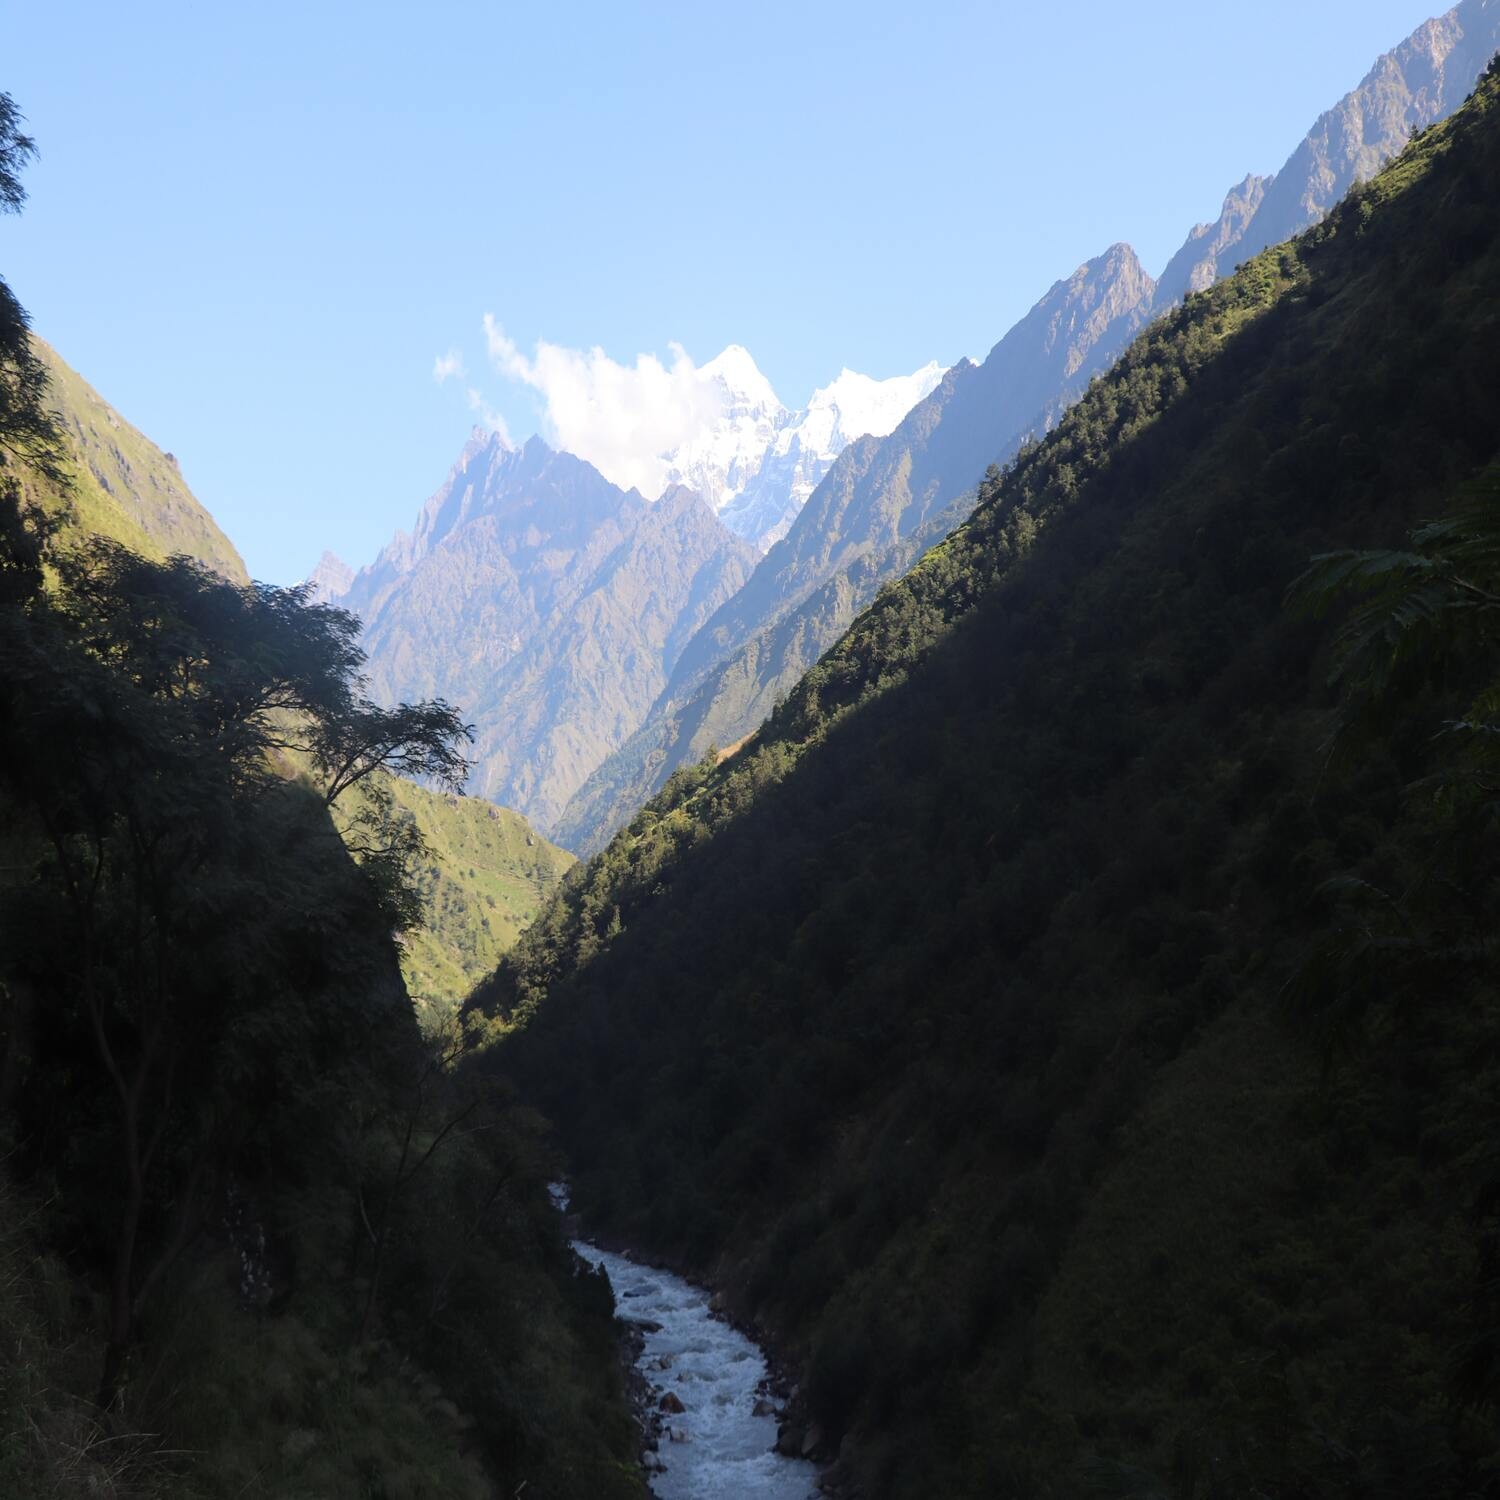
pixel 549 603
pixel 845 494
pixel 872 516
pixel 759 463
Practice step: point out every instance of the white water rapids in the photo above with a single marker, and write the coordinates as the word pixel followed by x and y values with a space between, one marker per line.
pixel 716 1448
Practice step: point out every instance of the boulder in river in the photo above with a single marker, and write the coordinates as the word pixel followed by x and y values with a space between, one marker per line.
pixel 789 1440
pixel 672 1403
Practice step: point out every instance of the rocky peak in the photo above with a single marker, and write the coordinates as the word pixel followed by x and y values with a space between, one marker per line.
pixel 1076 315
pixel 1197 264
pixel 1411 87
pixel 330 579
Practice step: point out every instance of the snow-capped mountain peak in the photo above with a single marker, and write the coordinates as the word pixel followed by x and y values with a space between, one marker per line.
pixel 724 456
pixel 861 404
pixel 735 370
pixel 807 442
pixel 755 461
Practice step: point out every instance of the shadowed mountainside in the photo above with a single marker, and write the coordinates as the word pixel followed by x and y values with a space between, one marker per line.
pixel 995 1027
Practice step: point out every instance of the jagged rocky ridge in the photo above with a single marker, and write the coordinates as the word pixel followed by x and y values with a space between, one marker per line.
pixel 549 603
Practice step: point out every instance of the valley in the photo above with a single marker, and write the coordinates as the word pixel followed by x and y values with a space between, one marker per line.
pixel 931 938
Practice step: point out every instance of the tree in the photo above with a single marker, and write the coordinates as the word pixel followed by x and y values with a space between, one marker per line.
pixel 1422 621
pixel 193 902
pixel 15 151
pixel 412 739
pixel 27 429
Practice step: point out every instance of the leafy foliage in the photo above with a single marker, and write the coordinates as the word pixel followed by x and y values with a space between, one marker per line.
pixel 27 429
pixel 207 1054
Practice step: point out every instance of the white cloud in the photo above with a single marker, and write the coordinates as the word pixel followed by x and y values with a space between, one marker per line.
pixel 448 366
pixel 621 418
pixel 487 415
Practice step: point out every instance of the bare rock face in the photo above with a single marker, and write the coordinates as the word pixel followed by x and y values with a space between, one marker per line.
pixel 549 604
pixel 330 580
pixel 1423 80
pixel 1411 87
pixel 1195 267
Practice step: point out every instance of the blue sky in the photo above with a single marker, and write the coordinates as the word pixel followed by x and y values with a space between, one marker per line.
pixel 254 229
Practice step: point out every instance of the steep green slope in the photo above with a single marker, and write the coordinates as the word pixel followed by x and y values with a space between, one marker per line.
pixel 488 875
pixel 245 1249
pixel 946 1025
pixel 123 485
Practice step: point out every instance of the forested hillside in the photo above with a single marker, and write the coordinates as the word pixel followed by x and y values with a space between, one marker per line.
pixel 1088 1076
pixel 255 1239
pixel 483 873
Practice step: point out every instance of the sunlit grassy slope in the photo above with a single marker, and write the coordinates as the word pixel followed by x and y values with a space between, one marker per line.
pixel 489 875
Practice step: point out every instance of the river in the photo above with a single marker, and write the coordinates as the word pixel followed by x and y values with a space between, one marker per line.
pixel 717 1447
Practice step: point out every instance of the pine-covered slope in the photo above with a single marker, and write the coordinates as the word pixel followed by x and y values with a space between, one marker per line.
pixel 950 1026
pixel 123 485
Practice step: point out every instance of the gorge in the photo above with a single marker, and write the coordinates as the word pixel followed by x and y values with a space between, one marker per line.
pixel 1012 1011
